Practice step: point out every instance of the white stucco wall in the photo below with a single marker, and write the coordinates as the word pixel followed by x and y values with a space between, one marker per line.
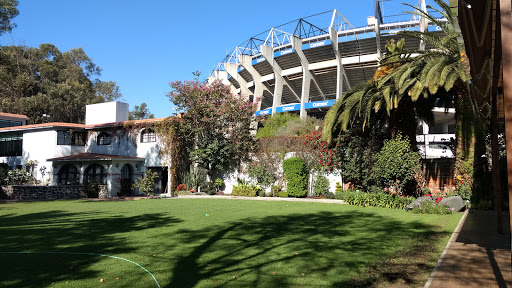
pixel 40 145
pixel 106 113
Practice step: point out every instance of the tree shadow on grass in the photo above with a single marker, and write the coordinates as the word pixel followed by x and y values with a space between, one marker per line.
pixel 62 231
pixel 310 250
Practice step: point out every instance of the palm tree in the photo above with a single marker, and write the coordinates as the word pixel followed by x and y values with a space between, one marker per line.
pixel 368 99
pixel 442 67
pixel 429 74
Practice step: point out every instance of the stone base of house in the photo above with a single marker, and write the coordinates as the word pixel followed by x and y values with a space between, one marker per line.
pixel 16 192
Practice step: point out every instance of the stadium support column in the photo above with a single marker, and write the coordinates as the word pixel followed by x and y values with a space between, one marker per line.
pixel 423 23
pixel 306 76
pixel 268 54
pixel 333 35
pixel 246 61
pixel 232 70
pixel 377 27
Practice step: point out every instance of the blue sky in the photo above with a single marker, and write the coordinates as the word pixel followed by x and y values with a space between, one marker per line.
pixel 145 45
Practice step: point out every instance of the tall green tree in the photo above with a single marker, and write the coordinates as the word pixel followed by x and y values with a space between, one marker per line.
pixel 8 10
pixel 140 112
pixel 44 80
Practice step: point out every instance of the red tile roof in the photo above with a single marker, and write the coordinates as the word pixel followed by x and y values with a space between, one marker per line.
pixel 20 116
pixel 94 156
pixel 83 126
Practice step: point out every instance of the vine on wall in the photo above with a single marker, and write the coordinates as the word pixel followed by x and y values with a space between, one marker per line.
pixel 169 132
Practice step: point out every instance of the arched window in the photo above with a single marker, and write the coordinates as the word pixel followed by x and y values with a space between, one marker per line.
pixel 103 138
pixel 147 135
pixel 95 172
pixel 68 174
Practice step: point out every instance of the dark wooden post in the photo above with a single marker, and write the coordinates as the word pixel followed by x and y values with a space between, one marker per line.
pixel 506 45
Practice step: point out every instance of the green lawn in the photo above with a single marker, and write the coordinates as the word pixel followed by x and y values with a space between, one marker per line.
pixel 217 242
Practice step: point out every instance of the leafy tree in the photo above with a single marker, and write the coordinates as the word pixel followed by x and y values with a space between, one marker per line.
pixel 216 123
pixel 261 174
pixel 108 90
pixel 44 80
pixel 395 164
pixel 321 186
pixel 140 112
pixel 8 11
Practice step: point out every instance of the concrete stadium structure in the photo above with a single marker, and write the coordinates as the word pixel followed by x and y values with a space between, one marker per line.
pixel 301 67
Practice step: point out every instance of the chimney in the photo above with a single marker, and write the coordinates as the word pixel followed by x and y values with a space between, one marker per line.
pixel 106 113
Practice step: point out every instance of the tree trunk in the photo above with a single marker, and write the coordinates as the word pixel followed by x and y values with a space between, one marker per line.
pixel 469 141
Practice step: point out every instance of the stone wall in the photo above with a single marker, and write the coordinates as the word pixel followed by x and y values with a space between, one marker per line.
pixel 42 192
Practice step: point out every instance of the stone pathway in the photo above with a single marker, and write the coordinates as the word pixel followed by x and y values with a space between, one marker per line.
pixel 477 256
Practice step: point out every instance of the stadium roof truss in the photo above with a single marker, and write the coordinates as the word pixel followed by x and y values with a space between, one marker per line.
pixel 301 66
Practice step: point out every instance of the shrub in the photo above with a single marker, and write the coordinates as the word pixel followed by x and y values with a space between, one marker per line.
pixel 338 187
pixel 181 187
pixel 208 188
pixel 244 190
pixel 91 188
pixel 383 200
pixel 146 184
pixel 261 193
pixel 18 177
pixel 182 192
pixel 261 174
pixel 430 207
pixel 272 124
pixel 296 175
pixel 194 177
pixel 329 195
pixel 218 183
pixel 275 189
pixel 396 164
pixel 320 186
pixel 283 194
pixel 4 169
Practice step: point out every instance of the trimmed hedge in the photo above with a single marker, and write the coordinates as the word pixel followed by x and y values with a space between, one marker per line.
pixel 296 175
pixel 383 200
pixel 283 194
pixel 247 190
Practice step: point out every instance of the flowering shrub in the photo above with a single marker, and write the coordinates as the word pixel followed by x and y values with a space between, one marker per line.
pixel 181 187
pixel 18 177
pixel 216 121
pixel 327 158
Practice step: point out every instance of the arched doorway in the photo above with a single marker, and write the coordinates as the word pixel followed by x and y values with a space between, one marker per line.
pixel 126 180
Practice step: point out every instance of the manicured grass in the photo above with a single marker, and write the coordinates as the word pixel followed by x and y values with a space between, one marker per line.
pixel 217 242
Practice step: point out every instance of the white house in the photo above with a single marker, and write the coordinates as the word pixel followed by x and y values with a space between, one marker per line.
pixel 102 149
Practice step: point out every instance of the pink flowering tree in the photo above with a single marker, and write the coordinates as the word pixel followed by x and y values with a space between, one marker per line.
pixel 216 123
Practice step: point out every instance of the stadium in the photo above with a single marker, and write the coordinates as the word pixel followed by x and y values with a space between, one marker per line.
pixel 303 66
